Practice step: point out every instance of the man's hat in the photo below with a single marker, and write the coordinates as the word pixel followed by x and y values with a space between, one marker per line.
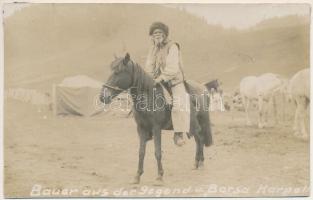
pixel 158 25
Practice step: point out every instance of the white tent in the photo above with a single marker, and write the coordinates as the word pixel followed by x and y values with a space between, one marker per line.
pixel 77 95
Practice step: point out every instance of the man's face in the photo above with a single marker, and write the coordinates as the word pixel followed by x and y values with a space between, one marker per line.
pixel 158 36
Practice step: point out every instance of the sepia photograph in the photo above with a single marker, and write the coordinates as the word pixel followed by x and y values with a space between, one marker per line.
pixel 156 100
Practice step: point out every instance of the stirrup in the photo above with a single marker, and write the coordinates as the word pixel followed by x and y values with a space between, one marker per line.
pixel 178 139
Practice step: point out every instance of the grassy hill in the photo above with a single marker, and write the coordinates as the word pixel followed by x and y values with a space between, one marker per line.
pixel 46 42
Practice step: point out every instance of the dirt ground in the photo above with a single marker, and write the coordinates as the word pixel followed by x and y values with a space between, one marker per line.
pixel 97 156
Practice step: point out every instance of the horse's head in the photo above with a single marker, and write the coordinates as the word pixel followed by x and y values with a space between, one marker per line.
pixel 119 80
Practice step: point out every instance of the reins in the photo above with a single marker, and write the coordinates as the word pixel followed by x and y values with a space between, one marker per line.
pixel 116 88
pixel 112 87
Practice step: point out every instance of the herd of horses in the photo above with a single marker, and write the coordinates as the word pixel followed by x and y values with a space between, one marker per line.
pixel 266 87
pixel 151 118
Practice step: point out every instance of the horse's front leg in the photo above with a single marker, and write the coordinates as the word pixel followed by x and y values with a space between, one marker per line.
pixel 246 103
pixel 142 152
pixel 158 154
pixel 260 111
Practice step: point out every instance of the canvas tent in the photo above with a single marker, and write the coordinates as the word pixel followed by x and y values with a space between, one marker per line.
pixel 77 95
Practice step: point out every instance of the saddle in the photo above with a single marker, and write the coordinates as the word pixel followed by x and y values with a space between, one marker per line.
pixel 194 89
pixel 199 103
pixel 167 92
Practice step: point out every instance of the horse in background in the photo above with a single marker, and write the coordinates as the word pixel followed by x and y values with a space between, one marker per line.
pixel 282 102
pixel 299 90
pixel 261 88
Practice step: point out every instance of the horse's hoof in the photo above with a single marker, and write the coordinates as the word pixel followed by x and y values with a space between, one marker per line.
pixel 136 180
pixel 196 166
pixel 200 165
pixel 158 182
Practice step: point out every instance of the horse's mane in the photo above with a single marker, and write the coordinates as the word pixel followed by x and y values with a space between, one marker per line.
pixel 142 81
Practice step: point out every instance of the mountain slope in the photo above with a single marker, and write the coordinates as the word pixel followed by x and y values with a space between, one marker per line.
pixel 46 42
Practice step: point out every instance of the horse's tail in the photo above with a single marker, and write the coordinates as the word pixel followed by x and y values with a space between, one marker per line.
pixel 205 124
pixel 197 90
pixel 206 131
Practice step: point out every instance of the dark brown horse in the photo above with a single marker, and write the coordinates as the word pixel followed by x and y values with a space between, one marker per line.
pixel 151 112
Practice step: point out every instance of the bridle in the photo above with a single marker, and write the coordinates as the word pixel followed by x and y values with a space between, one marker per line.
pixel 116 88
pixel 112 87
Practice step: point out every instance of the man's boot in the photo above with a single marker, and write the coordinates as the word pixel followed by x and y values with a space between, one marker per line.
pixel 179 139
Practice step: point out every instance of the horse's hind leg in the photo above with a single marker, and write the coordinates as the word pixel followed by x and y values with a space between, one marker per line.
pixel 302 117
pixel 261 112
pixel 199 158
pixel 296 117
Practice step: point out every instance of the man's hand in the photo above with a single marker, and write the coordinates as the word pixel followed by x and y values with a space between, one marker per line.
pixel 158 80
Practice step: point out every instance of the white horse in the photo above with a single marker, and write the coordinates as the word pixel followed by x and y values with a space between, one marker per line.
pixel 299 88
pixel 281 100
pixel 261 89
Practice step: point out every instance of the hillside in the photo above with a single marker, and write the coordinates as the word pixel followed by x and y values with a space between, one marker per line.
pixel 46 42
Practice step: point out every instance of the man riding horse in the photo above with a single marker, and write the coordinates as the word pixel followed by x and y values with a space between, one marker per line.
pixel 164 64
pixel 188 111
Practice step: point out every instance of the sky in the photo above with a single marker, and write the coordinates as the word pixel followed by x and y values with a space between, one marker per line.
pixel 239 16
pixel 242 15
pixel 11 8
